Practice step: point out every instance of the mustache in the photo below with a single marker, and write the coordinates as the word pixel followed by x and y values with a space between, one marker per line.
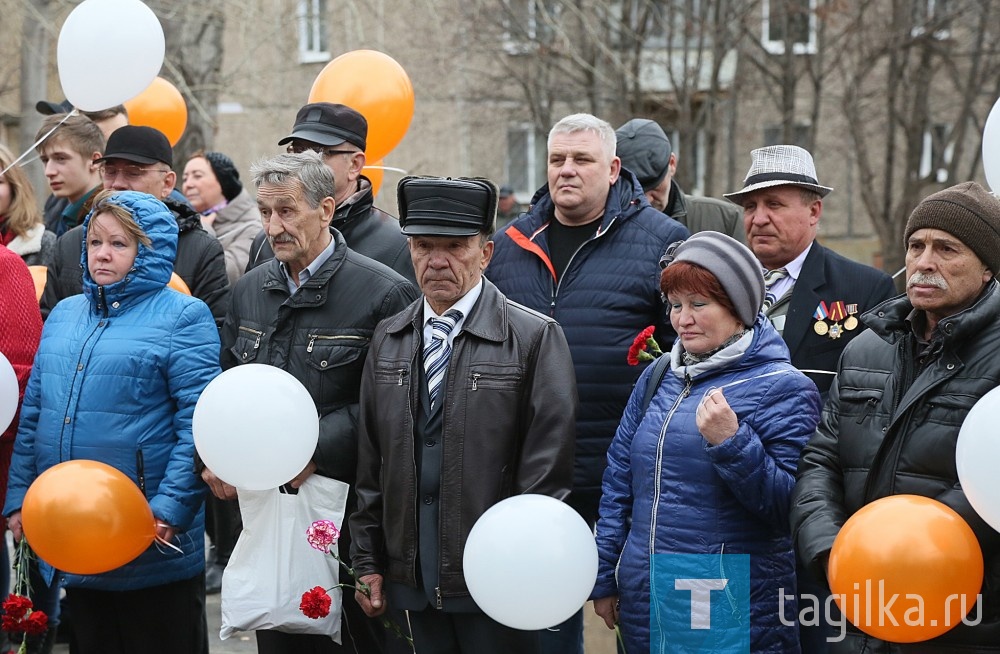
pixel 283 239
pixel 923 279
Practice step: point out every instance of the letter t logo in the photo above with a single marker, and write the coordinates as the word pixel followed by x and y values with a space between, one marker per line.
pixel 701 599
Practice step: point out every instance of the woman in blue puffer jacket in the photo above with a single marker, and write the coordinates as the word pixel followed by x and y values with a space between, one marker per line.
pixel 694 539
pixel 116 378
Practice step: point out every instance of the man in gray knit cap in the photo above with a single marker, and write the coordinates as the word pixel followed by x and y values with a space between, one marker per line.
pixel 903 389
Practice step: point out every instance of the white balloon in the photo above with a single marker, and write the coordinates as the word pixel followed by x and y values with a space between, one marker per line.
pixel 9 393
pixel 530 562
pixel 255 426
pixel 93 71
pixel 991 148
pixel 976 454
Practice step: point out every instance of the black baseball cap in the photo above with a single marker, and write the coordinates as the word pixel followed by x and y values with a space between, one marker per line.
pixel 329 124
pixel 145 145
pixel 437 206
pixel 47 108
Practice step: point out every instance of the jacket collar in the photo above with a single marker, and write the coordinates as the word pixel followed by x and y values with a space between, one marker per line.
pixel 29 243
pixel 676 204
pixel 487 320
pixel 625 199
pixel 276 280
pixel 354 207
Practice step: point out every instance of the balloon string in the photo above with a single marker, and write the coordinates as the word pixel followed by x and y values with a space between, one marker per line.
pixel 165 543
pixel 899 272
pixel 389 168
pixel 39 142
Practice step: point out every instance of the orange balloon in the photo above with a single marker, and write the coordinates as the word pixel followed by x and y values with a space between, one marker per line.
pixel 373 84
pixel 39 274
pixel 161 106
pixel 913 549
pixel 375 174
pixel 178 284
pixel 85 517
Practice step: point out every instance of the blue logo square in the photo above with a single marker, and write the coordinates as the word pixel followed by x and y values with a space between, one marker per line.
pixel 699 603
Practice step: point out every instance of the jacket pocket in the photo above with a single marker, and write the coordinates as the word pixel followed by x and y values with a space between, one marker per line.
pixel 334 362
pixel 859 404
pixel 494 377
pixel 324 352
pixel 247 344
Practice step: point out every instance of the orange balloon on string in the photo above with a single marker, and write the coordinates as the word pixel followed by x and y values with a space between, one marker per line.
pixel 376 86
pixel 375 174
pixel 86 517
pixel 161 106
pixel 905 569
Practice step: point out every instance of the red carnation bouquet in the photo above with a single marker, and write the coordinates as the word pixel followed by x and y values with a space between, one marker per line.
pixel 19 614
pixel 316 603
pixel 644 347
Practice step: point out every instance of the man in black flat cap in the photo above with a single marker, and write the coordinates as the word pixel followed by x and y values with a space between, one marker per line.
pixel 467 398
pixel 339 135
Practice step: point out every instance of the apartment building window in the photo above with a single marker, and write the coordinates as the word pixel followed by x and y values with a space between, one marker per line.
pixel 931 15
pixel 937 153
pixel 660 23
pixel 789 22
pixel 525 160
pixel 313 38
pixel 528 23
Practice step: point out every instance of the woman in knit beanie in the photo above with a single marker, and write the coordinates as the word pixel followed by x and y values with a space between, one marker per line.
pixel 212 185
pixel 707 468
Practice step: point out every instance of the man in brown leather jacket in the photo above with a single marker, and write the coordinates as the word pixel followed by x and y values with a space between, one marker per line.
pixel 466 398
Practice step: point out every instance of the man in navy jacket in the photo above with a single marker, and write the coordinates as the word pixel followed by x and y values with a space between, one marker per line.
pixel 587 254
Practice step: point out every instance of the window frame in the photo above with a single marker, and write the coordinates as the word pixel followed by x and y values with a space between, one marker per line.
pixel 312 26
pixel 774 47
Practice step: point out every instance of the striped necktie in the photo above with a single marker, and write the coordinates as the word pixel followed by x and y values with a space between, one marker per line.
pixel 771 277
pixel 438 351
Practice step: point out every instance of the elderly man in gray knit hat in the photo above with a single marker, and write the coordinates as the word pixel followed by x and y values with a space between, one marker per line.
pixel 644 149
pixel 903 389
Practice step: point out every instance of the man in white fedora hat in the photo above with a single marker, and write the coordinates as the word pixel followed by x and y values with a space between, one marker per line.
pixel 814 296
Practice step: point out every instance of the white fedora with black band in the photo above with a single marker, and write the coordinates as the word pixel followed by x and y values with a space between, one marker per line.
pixel 779 165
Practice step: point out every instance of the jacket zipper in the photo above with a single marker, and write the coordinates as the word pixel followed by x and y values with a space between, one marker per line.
pixel 556 285
pixel 314 337
pixel 140 470
pixel 256 333
pixel 869 407
pixel 685 392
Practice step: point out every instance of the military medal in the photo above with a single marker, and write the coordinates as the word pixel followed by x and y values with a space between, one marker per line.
pixel 820 315
pixel 837 313
pixel 852 321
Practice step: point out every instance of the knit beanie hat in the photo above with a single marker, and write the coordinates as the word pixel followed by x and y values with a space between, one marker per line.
pixel 968 212
pixel 644 149
pixel 225 171
pixel 733 264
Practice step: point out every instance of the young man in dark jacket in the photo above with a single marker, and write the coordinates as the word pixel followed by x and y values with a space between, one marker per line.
pixel 339 135
pixel 139 159
pixel 903 389
pixel 467 398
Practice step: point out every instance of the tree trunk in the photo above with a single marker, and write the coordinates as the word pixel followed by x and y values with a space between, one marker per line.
pixel 35 45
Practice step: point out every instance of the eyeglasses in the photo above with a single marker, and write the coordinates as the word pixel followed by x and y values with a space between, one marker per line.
pixel 130 173
pixel 295 148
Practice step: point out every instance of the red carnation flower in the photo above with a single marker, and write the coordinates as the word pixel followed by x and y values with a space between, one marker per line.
pixel 36 623
pixel 16 607
pixel 637 351
pixel 315 603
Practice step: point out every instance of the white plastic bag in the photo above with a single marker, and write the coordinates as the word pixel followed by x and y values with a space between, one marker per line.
pixel 273 564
